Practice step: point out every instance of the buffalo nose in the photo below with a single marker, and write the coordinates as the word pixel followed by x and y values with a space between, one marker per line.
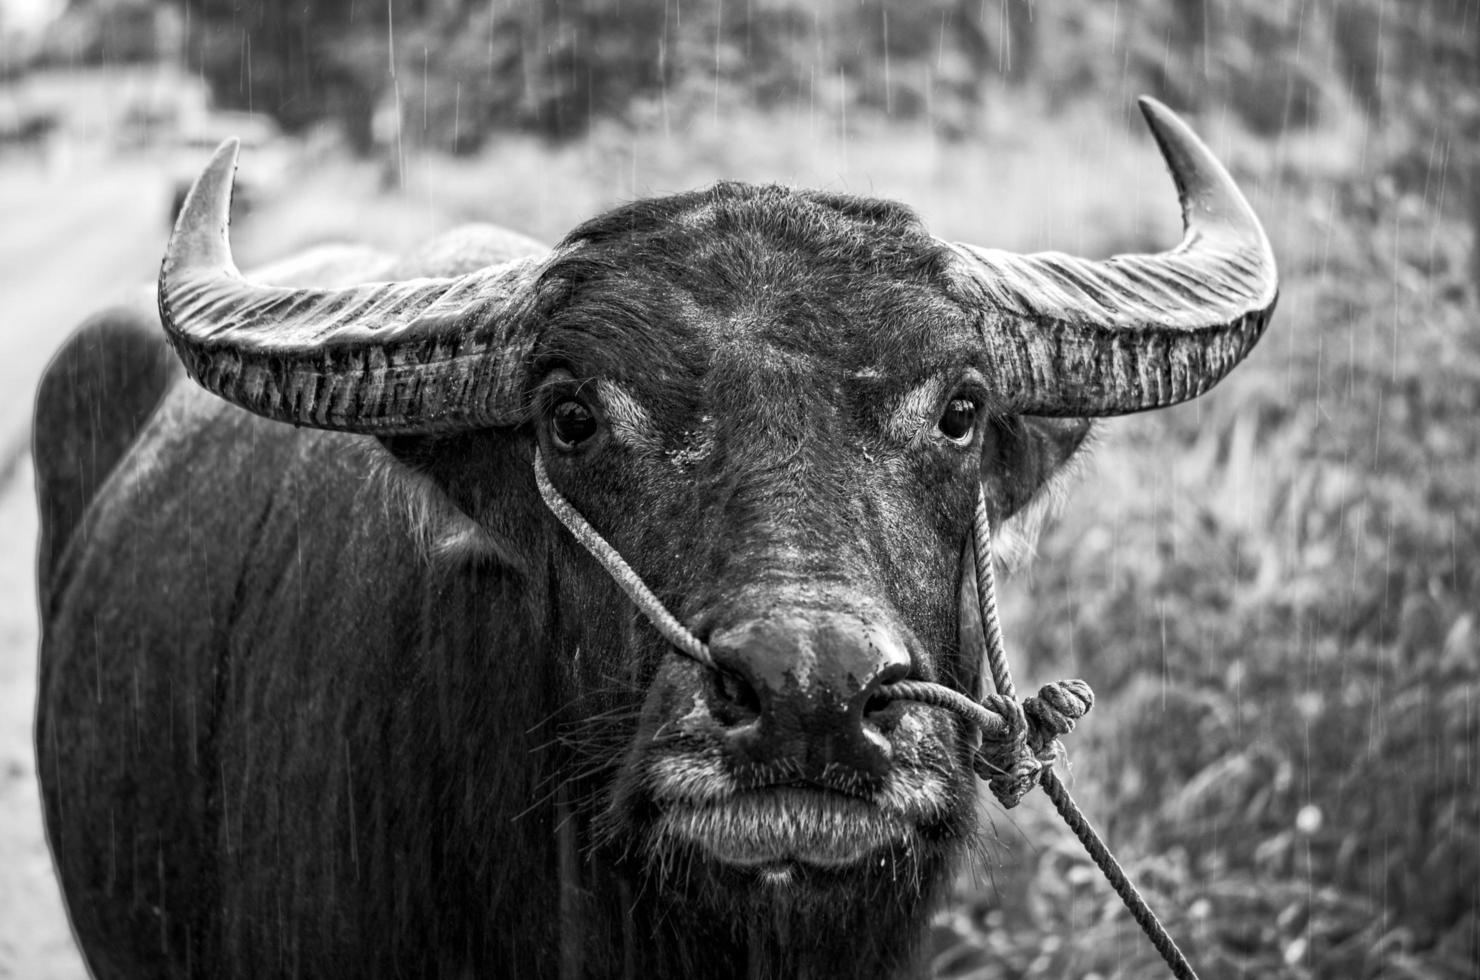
pixel 803 690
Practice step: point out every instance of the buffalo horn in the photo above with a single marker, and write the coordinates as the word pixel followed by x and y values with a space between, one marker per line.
pixel 1070 337
pixel 420 356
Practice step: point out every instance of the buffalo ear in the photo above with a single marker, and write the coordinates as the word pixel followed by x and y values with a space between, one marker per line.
pixel 461 495
pixel 1021 467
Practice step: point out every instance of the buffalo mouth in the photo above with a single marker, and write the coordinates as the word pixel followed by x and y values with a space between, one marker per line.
pixel 775 830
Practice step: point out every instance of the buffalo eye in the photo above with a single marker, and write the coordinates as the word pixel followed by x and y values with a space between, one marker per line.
pixel 958 420
pixel 571 423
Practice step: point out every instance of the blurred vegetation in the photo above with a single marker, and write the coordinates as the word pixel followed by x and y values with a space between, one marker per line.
pixel 452 73
pixel 1274 590
pixel 446 75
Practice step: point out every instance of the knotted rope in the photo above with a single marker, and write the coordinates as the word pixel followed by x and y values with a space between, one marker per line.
pixel 1020 740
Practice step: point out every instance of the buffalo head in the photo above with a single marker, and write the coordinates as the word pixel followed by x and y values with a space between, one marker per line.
pixel 778 405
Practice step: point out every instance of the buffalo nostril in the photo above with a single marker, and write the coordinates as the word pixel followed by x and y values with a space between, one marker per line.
pixel 880 709
pixel 737 702
pixel 877 703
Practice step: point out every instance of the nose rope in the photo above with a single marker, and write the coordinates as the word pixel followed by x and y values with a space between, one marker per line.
pixel 616 566
pixel 1020 740
pixel 986 599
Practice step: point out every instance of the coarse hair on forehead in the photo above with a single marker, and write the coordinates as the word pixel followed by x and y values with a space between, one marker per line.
pixel 642 281
pixel 712 243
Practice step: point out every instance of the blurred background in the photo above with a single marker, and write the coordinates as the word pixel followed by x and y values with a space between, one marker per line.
pixel 1275 590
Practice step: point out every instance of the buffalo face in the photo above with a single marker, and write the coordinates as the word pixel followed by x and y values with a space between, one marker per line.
pixel 770 403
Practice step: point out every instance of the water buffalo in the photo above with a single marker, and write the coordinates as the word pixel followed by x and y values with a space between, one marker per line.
pixel 327 691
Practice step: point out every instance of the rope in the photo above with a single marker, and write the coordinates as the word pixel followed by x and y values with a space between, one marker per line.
pixel 986 598
pixel 1049 715
pixel 1020 740
pixel 992 724
pixel 1161 940
pixel 630 582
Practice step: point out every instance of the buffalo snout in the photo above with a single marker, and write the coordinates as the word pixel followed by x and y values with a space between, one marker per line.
pixel 799 693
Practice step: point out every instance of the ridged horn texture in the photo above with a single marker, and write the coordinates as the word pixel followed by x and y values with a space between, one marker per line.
pixel 1072 337
pixel 390 358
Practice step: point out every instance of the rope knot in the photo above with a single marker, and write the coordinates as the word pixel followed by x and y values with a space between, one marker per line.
pixel 1004 760
pixel 1012 761
pixel 1054 711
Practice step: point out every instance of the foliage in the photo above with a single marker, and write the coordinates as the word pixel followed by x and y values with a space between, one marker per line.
pixel 450 73
pixel 299 62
